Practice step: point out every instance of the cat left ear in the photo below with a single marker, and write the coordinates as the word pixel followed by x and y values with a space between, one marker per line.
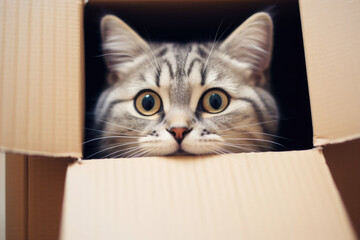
pixel 120 43
pixel 251 42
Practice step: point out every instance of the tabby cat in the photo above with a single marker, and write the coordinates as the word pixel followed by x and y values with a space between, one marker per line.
pixel 195 98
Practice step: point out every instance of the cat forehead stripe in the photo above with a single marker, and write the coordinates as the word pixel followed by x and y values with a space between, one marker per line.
pixel 171 71
pixel 191 65
pixel 202 52
pixel 203 75
pixel 162 52
pixel 159 71
pixel 157 77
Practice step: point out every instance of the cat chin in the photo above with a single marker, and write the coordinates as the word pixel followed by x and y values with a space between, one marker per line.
pixel 180 153
pixel 195 149
pixel 185 153
pixel 183 150
pixel 193 145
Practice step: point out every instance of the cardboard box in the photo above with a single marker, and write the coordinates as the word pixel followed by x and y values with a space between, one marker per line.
pixel 272 195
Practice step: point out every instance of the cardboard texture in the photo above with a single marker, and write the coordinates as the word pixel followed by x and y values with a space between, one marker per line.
pixel 240 196
pixel 331 37
pixel 41 77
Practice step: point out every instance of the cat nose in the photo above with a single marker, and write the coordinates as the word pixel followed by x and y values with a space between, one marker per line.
pixel 179 133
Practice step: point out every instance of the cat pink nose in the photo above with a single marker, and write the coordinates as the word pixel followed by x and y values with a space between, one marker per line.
pixel 179 133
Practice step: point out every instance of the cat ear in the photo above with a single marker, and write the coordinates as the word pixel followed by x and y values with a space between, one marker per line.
pixel 120 43
pixel 251 42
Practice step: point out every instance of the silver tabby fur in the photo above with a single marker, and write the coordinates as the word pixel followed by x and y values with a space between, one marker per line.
pixel 180 74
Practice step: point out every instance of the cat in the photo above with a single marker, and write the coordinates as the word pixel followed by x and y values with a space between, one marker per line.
pixel 192 99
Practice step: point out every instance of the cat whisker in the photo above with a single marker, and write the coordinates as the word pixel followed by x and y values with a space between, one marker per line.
pixel 239 147
pixel 116 54
pixel 139 150
pixel 125 150
pixel 261 133
pixel 139 154
pixel 251 145
pixel 151 50
pixel 215 152
pixel 116 125
pixel 214 43
pixel 120 134
pixel 256 139
pixel 98 148
pixel 128 152
pixel 247 125
pixel 107 137
pixel 109 145
pixel 145 154
pixel 112 147
pixel 219 150
pixel 142 154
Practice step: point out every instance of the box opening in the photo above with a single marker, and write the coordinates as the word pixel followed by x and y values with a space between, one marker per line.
pixel 185 21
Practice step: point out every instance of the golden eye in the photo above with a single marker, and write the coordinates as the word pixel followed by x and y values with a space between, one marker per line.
pixel 215 101
pixel 147 103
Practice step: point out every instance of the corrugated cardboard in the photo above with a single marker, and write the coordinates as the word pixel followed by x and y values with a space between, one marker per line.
pixel 288 195
pixel 331 33
pixel 41 77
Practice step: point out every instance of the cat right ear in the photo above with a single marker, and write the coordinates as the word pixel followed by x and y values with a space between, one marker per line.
pixel 121 45
pixel 251 43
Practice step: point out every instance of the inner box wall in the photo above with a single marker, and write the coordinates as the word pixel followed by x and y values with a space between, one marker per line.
pixel 200 21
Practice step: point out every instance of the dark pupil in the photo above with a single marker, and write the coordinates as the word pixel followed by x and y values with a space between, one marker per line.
pixel 148 102
pixel 215 101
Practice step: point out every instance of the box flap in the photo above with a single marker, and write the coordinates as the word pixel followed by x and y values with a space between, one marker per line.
pixel 331 40
pixel 275 195
pixel 41 77
pixel 344 164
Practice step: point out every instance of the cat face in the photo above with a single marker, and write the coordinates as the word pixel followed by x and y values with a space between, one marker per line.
pixel 207 98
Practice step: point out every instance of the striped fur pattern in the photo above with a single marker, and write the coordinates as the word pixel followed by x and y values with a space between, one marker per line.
pixel 180 74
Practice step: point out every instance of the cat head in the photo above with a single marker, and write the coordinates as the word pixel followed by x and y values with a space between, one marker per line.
pixel 195 98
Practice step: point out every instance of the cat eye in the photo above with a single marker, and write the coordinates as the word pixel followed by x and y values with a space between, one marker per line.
pixel 215 101
pixel 147 103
